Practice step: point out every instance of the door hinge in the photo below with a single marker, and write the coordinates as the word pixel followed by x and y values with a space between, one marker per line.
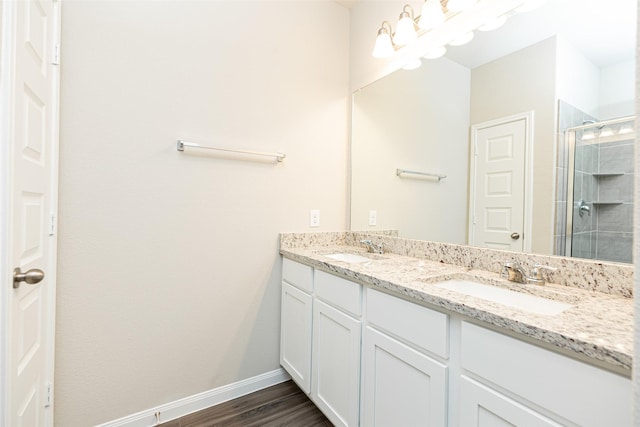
pixel 52 224
pixel 56 54
pixel 47 401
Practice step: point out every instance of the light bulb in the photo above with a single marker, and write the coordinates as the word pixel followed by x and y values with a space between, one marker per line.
pixel 432 15
pixel 460 5
pixel 383 47
pixel 625 129
pixel 494 24
pixel 435 53
pixel 463 39
pixel 405 31
pixel 412 64
pixel 606 131
pixel 588 135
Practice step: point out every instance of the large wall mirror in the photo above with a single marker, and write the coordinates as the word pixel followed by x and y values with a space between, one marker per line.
pixel 550 95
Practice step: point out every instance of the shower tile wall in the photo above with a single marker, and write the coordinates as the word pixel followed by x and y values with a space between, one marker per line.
pixel 614 227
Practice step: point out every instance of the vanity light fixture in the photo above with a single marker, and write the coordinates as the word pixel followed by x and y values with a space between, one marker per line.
pixel 434 13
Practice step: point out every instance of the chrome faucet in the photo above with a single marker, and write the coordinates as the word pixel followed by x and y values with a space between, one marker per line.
pixel 376 249
pixel 515 273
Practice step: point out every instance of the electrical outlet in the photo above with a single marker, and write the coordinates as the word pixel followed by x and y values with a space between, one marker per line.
pixel 373 217
pixel 314 218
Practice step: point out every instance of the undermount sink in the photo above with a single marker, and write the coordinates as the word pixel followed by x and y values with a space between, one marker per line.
pixel 350 258
pixel 519 300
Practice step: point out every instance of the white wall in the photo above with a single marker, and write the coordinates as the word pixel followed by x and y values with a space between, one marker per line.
pixel 577 78
pixel 168 262
pixel 525 81
pixel 617 90
pixel 416 120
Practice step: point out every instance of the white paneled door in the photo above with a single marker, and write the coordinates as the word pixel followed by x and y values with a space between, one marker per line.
pixel 497 217
pixel 30 81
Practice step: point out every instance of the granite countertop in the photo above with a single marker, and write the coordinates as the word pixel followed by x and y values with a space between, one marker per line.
pixel 598 325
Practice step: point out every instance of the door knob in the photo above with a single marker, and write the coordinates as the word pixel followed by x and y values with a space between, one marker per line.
pixel 31 277
pixel 515 236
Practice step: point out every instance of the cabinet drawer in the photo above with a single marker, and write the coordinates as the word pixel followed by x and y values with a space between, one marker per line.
pixel 422 327
pixel 298 275
pixel 339 292
pixel 579 392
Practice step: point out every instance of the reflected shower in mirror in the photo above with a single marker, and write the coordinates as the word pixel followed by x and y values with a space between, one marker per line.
pixel 552 67
pixel 597 200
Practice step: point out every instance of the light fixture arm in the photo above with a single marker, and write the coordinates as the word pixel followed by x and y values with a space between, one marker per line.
pixel 385 27
pixel 407 11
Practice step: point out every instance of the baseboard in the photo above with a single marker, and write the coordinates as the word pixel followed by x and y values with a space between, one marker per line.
pixel 197 402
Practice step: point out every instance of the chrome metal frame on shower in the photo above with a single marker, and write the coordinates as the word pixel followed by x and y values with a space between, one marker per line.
pixel 400 172
pixel 278 156
pixel 570 146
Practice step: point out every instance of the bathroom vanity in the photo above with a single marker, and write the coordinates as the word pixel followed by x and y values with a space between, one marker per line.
pixel 386 340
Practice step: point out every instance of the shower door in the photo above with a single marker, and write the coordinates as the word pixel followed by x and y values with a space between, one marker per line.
pixel 600 190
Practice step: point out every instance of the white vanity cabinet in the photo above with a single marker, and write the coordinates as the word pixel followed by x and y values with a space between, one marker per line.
pixel 402 382
pixel 507 381
pixel 337 330
pixel 367 358
pixel 296 322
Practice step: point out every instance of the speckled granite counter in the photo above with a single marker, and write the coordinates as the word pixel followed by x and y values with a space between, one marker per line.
pixel 599 326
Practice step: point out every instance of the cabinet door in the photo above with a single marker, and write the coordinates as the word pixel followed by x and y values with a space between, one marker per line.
pixel 336 364
pixel 401 387
pixel 481 406
pixel 295 335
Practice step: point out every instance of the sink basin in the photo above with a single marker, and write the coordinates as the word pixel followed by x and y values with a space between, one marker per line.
pixel 519 300
pixel 350 258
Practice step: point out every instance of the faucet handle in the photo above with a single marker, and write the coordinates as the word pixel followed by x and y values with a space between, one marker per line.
pixel 536 271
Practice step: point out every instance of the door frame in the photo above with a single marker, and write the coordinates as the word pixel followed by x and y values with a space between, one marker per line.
pixel 7 10
pixel 528 117
pixel 8 16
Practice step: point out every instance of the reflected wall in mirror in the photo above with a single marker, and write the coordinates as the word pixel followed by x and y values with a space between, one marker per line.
pixel 421 120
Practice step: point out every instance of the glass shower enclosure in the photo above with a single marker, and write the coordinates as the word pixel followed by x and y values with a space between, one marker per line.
pixel 599 190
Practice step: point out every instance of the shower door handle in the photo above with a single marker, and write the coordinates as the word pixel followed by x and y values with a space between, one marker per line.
pixel 515 236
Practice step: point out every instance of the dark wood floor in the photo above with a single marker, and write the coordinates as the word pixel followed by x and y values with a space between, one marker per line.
pixel 281 405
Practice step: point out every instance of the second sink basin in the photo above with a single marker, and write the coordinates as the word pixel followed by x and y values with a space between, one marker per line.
pixel 519 300
pixel 350 258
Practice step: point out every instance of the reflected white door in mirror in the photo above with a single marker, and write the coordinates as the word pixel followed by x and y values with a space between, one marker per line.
pixel 499 215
